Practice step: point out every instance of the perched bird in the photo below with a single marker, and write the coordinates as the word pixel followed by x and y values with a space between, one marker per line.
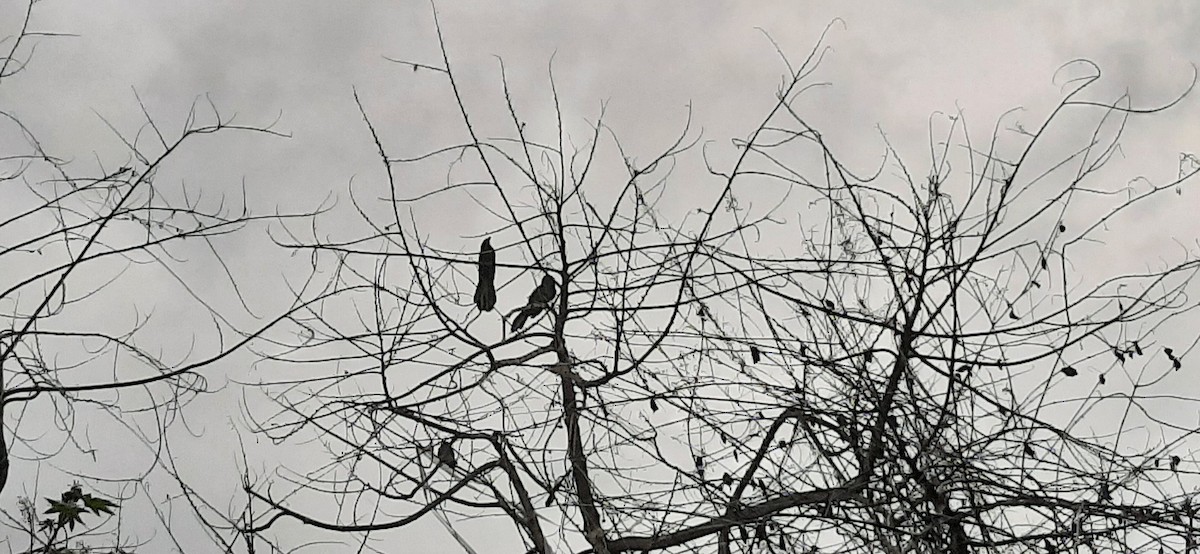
pixel 445 455
pixel 485 289
pixel 539 300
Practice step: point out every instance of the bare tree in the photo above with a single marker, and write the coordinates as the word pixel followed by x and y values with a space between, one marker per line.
pixel 81 252
pixel 812 358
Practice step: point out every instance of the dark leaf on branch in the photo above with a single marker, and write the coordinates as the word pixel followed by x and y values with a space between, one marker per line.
pixel 1102 379
pixel 1069 371
pixel 653 405
pixel 485 289
pixel 445 455
pixel 98 505
pixel 544 293
pixel 1170 353
pixel 1174 463
pixel 1176 363
pixel 755 355
pixel 1029 451
pixel 522 317
pixel 1012 314
pixel 1120 355
pixel 727 479
pixel 1062 228
pixel 68 513
pixel 1137 348
pixel 745 535
pixel 541 296
pixel 1044 264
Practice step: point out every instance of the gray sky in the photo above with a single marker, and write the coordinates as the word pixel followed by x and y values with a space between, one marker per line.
pixel 889 68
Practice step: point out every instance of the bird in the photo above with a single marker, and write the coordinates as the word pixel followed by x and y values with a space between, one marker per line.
pixel 539 300
pixel 485 289
pixel 445 455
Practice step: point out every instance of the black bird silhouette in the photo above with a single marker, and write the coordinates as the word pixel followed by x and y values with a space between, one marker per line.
pixel 539 300
pixel 485 290
pixel 445 455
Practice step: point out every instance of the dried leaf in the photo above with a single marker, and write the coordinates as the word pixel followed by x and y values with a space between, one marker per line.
pixel 1069 371
pixel 445 455
pixel 98 505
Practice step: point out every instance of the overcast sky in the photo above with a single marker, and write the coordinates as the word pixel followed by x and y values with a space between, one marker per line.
pixel 889 67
